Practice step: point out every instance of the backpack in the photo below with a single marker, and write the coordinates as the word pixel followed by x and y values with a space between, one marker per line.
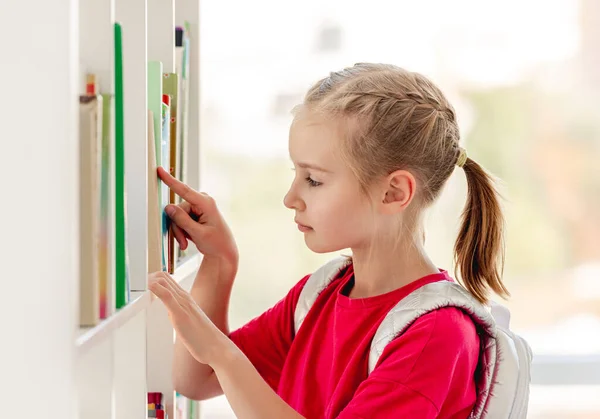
pixel 505 358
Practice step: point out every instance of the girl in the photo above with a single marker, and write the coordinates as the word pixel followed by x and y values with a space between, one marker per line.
pixel 372 146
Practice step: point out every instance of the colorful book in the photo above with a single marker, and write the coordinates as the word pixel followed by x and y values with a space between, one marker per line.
pixel 155 92
pixel 182 65
pixel 182 51
pixel 181 406
pixel 121 263
pixel 165 163
pixel 171 88
pixel 90 137
pixel 155 88
pixel 105 259
pixel 154 214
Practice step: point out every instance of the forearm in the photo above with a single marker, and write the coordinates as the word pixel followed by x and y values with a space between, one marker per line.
pixel 248 394
pixel 211 290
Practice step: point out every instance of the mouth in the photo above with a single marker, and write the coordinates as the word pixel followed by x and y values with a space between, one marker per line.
pixel 303 228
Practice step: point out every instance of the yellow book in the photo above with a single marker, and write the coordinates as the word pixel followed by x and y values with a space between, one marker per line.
pixel 171 88
pixel 90 138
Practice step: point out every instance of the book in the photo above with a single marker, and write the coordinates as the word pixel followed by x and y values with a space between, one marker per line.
pixel 171 88
pixel 154 215
pixel 155 88
pixel 165 163
pixel 193 409
pixel 181 406
pixel 121 263
pixel 182 66
pixel 90 137
pixel 155 92
pixel 107 221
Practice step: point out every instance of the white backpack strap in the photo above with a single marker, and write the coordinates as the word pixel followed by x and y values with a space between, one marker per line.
pixel 423 300
pixel 432 297
pixel 317 282
pixel 505 360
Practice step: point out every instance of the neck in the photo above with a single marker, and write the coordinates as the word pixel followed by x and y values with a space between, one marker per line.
pixel 382 268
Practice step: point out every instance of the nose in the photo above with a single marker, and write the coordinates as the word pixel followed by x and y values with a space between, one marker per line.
pixel 292 201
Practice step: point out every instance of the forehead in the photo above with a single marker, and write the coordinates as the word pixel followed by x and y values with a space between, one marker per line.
pixel 315 139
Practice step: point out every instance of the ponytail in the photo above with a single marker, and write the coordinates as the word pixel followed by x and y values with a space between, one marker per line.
pixel 479 248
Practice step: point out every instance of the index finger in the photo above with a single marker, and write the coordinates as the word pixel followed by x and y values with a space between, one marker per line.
pixel 184 191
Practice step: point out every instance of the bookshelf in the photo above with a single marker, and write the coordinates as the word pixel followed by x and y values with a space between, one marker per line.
pixel 52 368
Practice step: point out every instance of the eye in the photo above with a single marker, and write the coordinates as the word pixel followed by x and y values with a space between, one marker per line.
pixel 311 182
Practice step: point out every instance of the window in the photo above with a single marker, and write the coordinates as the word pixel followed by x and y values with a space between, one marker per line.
pixel 329 38
pixel 285 102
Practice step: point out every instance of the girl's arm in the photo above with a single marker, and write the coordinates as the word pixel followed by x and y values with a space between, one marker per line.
pixel 211 291
pixel 249 395
pixel 197 219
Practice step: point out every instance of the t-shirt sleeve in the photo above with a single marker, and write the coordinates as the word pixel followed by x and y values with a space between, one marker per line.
pixel 428 370
pixel 266 340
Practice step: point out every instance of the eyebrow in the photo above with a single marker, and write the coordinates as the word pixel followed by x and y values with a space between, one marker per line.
pixel 313 166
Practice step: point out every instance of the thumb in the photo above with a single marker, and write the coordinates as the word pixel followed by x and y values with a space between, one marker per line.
pixel 182 219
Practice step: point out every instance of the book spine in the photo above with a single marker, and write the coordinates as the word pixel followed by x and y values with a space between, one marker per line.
pixel 122 288
pixel 90 117
pixel 171 87
pixel 165 163
pixel 105 256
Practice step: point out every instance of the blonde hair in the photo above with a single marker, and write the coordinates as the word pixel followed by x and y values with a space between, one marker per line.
pixel 400 120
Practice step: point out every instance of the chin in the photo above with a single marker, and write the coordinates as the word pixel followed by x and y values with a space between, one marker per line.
pixel 322 247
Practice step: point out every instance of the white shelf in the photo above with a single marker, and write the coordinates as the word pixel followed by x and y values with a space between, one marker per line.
pixel 89 337
pixel 102 372
pixel 92 336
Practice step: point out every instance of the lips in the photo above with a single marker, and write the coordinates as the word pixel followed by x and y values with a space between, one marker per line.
pixel 302 227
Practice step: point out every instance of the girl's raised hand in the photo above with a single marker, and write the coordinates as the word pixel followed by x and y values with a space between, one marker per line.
pixel 199 219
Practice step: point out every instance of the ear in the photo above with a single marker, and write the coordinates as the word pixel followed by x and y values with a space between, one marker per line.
pixel 399 191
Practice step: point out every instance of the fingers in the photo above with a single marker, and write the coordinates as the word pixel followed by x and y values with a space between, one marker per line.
pixel 182 219
pixel 168 290
pixel 162 291
pixel 181 189
pixel 179 236
pixel 187 207
pixel 175 287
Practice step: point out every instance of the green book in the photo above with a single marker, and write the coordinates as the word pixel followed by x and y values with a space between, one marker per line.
pixel 121 264
pixel 192 409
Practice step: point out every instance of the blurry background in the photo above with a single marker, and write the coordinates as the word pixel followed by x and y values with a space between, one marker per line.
pixel 524 77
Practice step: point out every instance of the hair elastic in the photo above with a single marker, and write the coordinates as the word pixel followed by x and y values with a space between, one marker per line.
pixel 462 157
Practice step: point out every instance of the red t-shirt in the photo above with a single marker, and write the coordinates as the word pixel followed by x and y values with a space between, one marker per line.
pixel 427 372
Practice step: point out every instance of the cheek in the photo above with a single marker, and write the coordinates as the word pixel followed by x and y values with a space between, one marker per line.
pixel 340 221
pixel 341 215
pixel 327 208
